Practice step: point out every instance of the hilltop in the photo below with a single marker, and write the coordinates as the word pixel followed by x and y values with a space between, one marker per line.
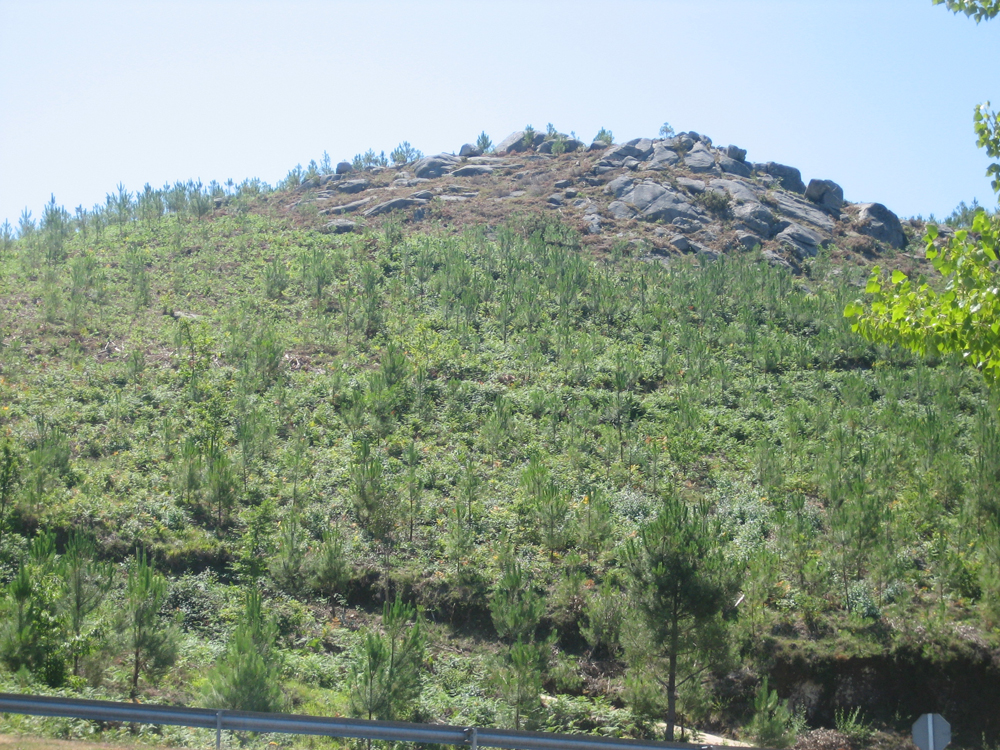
pixel 482 386
pixel 671 196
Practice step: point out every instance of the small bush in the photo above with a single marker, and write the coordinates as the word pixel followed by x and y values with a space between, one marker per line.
pixel 404 153
pixel 529 136
pixel 714 202
pixel 604 136
pixel 369 160
pixel 852 725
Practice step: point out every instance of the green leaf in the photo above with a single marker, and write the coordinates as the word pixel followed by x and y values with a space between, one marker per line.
pixel 898 277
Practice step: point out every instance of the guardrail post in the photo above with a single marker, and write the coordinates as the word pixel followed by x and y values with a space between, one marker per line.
pixel 472 737
pixel 218 730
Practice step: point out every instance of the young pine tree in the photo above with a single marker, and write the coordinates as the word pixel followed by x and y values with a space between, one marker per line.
pixel 248 676
pixel 85 584
pixel 151 641
pixel 680 585
pixel 385 678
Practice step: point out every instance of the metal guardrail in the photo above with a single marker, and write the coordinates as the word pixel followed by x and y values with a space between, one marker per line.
pixel 247 721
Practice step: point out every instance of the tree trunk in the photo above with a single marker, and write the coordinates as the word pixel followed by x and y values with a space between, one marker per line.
pixel 135 674
pixel 672 680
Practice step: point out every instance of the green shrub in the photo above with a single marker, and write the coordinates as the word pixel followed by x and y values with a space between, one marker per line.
pixel 529 136
pixel 605 136
pixel 772 723
pixel 714 202
pixel 852 724
pixel 404 153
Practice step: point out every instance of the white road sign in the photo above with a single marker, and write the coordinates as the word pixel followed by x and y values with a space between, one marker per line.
pixel 931 732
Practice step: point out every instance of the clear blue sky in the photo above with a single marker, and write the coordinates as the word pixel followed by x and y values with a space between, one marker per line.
pixel 874 94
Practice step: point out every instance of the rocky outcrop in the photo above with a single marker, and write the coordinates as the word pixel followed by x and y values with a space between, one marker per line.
pixel 349 207
pixel 679 194
pixel 352 186
pixel 472 170
pixel 802 241
pixel 339 226
pixel 394 205
pixel 789 177
pixel 433 166
pixel 513 143
pixel 827 193
pixel 878 222
pixel 700 159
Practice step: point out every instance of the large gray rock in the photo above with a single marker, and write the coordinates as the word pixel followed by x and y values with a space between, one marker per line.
pixel 878 222
pixel 513 143
pixel 598 146
pixel 662 157
pixel 643 195
pixel 733 166
pixel 700 159
pixel 789 177
pixel 737 153
pixel 680 142
pixel 756 218
pixel 748 240
pixel 827 193
pixel 655 203
pixel 680 242
pixel 643 145
pixel 352 186
pixel 472 170
pixel 339 226
pixel 394 205
pixel 470 149
pixel 738 190
pixel 621 210
pixel 692 186
pixel 802 241
pixel 432 166
pixel 617 154
pixel 344 167
pixel 686 225
pixel 801 210
pixel 573 144
pixel 619 185
pixel 348 207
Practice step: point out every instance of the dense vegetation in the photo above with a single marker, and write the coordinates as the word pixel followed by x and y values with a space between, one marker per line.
pixel 476 478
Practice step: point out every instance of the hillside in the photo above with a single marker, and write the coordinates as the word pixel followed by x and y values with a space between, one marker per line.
pixel 480 386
